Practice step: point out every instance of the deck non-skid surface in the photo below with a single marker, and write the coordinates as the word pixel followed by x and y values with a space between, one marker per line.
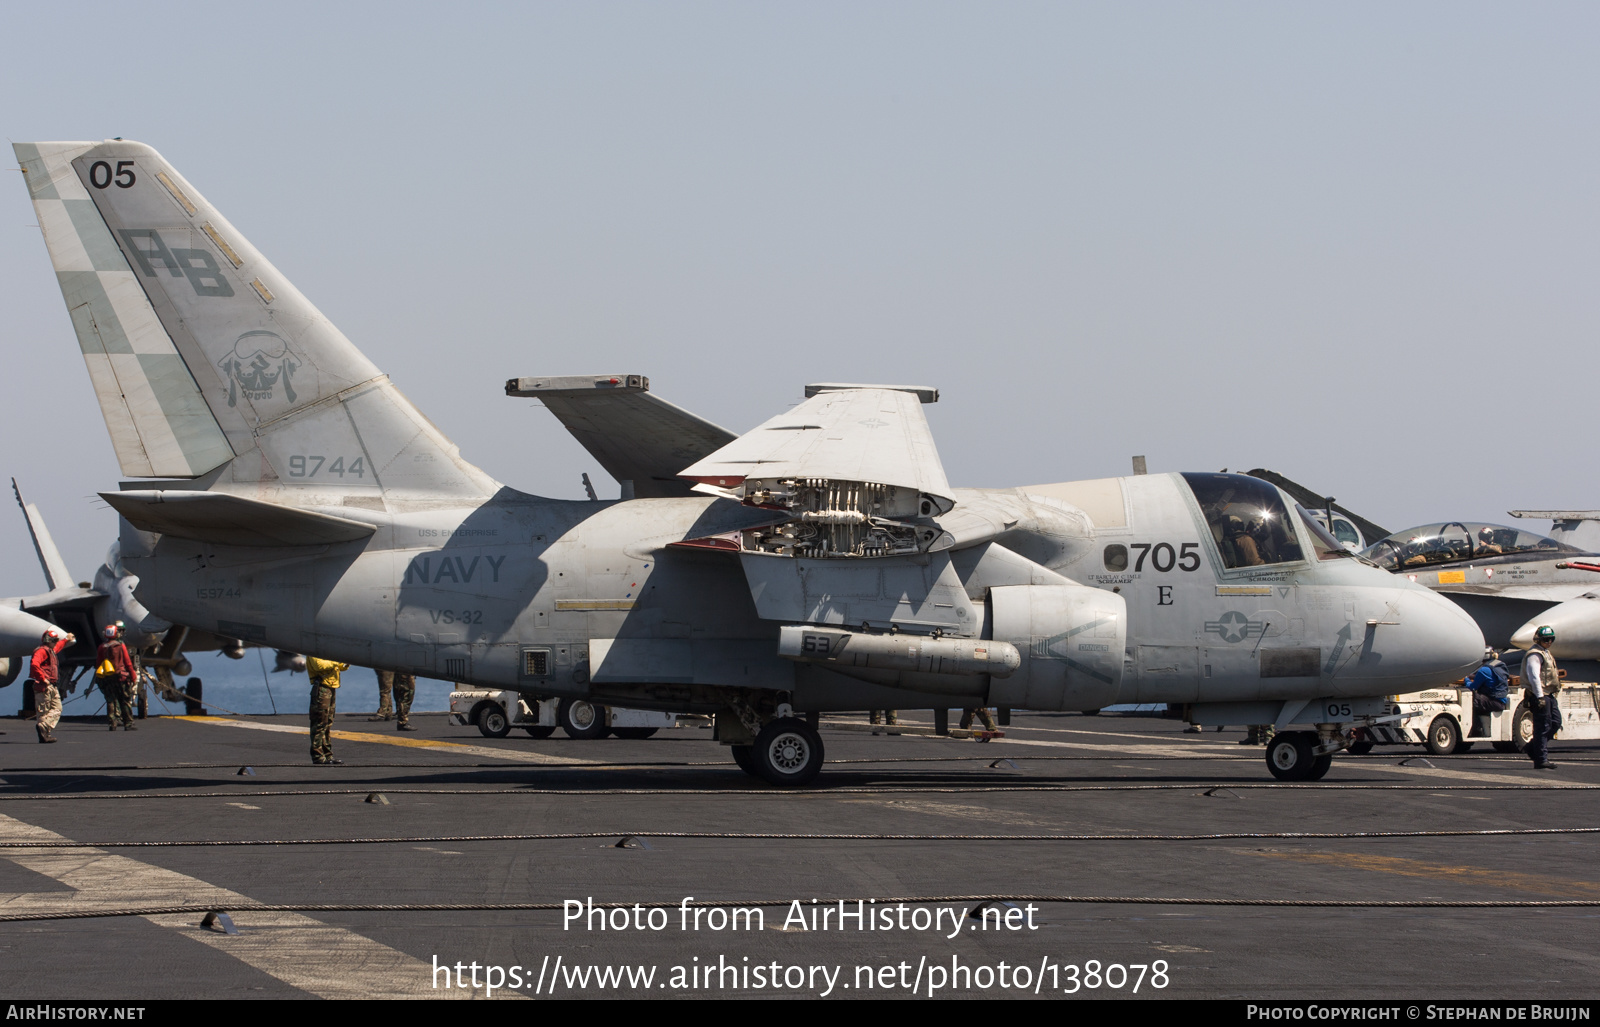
pixel 681 781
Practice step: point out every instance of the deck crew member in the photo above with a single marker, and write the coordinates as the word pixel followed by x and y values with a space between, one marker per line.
pixel 44 671
pixel 114 674
pixel 324 676
pixel 982 713
pixel 405 690
pixel 1541 684
pixel 385 696
pixel 1490 685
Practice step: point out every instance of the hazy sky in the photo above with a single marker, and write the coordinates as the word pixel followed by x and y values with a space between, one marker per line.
pixel 1355 243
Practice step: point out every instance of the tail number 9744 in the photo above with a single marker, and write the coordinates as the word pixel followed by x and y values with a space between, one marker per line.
pixel 1163 557
pixel 309 466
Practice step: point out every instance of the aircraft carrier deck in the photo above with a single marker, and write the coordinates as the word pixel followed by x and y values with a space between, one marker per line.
pixel 1352 887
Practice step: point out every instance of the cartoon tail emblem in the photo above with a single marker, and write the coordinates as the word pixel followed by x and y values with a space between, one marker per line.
pixel 259 360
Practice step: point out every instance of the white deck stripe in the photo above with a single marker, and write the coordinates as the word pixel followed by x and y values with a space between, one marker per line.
pixel 318 958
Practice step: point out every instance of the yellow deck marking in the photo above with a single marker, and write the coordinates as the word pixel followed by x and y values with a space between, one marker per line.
pixel 1478 876
pixel 510 755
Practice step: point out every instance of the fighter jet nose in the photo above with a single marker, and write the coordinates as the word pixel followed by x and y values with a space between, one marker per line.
pixel 1577 626
pixel 20 632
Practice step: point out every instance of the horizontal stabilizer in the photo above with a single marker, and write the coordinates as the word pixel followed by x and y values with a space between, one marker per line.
pixel 848 433
pixel 635 436
pixel 56 574
pixel 228 520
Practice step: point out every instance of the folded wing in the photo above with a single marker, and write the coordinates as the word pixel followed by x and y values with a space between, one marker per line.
pixel 640 439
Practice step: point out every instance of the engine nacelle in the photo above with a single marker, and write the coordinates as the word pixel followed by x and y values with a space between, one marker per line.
pixel 1072 640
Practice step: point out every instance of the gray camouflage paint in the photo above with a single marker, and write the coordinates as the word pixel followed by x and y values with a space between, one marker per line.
pixel 460 574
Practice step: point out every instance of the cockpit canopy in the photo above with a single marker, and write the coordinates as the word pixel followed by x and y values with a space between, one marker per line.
pixel 1251 524
pixel 1456 541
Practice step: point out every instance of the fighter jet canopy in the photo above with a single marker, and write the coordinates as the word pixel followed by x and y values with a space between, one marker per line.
pixel 1456 541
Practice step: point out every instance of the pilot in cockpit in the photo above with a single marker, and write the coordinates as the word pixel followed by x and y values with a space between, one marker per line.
pixel 1242 537
pixel 1486 544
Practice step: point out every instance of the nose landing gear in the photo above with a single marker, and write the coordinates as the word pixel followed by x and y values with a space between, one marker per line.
pixel 1291 756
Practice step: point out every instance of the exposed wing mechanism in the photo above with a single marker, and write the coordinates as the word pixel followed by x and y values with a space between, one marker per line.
pixel 229 520
pixel 640 439
pixel 854 466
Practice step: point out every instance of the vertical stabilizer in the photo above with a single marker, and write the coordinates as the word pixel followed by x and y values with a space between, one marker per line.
pixel 269 387
pixel 1579 528
pixel 159 423
pixel 56 574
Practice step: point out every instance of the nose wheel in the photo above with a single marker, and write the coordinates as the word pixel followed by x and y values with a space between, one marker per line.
pixel 1290 757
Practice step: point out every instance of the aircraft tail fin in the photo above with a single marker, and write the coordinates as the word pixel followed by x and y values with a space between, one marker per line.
pixel 1580 528
pixel 204 356
pixel 158 421
pixel 56 574
pixel 1311 501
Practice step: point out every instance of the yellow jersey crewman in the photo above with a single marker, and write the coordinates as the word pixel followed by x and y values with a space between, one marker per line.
pixel 324 676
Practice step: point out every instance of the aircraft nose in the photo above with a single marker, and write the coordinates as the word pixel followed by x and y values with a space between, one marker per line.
pixel 1577 626
pixel 1425 642
pixel 20 632
pixel 1450 643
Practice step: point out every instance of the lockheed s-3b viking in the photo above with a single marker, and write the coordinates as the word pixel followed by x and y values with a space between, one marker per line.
pixel 302 502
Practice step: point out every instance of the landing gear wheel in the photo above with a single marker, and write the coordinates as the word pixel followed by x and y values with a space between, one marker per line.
pixel 492 720
pixel 1360 748
pixel 741 755
pixel 1289 756
pixel 1319 767
pixel 581 719
pixel 1522 728
pixel 1443 735
pixel 634 733
pixel 787 753
pixel 539 732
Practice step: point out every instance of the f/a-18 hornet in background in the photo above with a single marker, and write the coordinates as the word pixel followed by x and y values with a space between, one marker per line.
pixel 302 502
pixel 1509 580
pixel 86 608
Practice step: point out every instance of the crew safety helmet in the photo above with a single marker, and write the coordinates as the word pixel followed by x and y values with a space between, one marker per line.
pixel 110 632
pixel 1545 633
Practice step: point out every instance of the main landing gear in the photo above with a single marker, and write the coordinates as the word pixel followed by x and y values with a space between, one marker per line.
pixel 785 751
